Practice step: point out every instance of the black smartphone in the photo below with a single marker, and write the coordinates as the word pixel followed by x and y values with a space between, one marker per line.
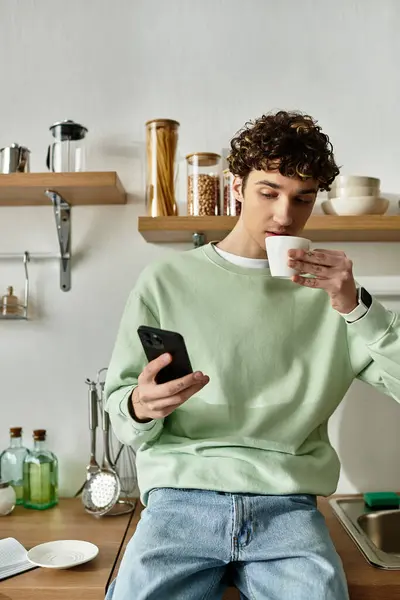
pixel 158 341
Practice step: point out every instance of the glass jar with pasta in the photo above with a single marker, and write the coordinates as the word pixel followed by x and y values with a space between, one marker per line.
pixel 161 149
pixel 203 183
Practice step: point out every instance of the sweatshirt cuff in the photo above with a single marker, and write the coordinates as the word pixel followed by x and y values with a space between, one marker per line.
pixel 374 324
pixel 123 408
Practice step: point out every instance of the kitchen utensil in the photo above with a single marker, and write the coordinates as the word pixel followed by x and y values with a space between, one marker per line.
pixel 101 492
pixel 126 468
pixel 93 466
pixel 67 153
pixel 62 554
pixel 14 159
pixel 355 206
pixel 100 382
pixel 124 463
pixel 277 247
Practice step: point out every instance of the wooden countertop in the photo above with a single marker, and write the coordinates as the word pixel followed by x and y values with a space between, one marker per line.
pixel 111 535
pixel 68 520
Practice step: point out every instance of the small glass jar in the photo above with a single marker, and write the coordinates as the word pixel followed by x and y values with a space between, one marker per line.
pixel 231 207
pixel 7 498
pixel 10 304
pixel 203 184
pixel 162 167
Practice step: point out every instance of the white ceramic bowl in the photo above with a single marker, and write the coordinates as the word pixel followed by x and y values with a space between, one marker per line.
pixel 368 205
pixel 356 180
pixel 353 191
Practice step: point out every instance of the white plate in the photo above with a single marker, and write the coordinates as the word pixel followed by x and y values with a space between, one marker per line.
pixel 62 554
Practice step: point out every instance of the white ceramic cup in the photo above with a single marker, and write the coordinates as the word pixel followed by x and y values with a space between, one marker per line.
pixel 277 247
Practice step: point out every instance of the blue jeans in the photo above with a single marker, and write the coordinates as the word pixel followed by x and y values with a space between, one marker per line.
pixel 276 548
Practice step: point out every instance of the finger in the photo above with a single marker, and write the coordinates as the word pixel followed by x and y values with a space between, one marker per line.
pixel 177 386
pixel 311 282
pixel 320 257
pixel 312 269
pixel 329 251
pixel 152 369
pixel 161 404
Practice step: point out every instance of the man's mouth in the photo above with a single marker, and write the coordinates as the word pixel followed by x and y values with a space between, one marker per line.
pixel 272 233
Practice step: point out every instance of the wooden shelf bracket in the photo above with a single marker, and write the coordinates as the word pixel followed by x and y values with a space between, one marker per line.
pixel 62 214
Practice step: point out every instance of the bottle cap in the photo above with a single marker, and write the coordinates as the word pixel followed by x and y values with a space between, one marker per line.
pixel 15 432
pixel 39 434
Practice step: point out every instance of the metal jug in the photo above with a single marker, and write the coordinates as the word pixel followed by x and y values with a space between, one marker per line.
pixel 67 153
pixel 14 159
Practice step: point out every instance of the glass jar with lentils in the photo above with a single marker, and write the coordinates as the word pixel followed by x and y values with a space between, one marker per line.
pixel 231 207
pixel 203 184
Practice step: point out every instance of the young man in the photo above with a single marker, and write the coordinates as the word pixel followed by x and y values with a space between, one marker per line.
pixel 231 458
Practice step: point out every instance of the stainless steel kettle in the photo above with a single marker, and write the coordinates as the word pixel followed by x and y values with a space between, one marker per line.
pixel 14 159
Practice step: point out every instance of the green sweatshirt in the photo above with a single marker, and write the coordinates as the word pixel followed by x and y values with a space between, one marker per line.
pixel 280 361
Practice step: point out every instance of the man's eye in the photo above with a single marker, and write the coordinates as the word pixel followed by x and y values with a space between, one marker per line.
pixel 303 200
pixel 268 195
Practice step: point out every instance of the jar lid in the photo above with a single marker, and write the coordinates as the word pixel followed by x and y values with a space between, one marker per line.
pixel 68 130
pixel 203 159
pixel 15 146
pixel 4 484
pixel 15 432
pixel 162 123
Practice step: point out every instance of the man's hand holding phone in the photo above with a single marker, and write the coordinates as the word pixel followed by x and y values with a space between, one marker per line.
pixel 151 400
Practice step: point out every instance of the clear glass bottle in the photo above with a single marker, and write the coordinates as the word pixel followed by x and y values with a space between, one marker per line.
pixel 203 184
pixel 231 206
pixel 40 475
pixel 162 167
pixel 12 462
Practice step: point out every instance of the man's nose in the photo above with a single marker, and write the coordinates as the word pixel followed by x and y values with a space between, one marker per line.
pixel 283 213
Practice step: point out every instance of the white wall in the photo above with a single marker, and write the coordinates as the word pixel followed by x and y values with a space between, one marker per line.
pixel 212 65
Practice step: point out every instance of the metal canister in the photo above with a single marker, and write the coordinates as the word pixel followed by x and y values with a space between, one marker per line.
pixel 15 159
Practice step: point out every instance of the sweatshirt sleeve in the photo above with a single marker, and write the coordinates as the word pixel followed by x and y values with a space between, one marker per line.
pixel 127 362
pixel 374 346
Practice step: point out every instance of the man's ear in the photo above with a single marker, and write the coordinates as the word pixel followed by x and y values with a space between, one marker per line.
pixel 237 187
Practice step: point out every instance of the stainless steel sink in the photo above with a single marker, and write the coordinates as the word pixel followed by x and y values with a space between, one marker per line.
pixel 376 532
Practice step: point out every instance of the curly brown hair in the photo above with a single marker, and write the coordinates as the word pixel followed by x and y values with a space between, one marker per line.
pixel 290 142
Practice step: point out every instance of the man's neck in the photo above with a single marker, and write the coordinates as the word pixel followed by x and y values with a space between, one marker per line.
pixel 240 243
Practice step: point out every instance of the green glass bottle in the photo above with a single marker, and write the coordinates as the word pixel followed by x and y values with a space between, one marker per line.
pixel 40 475
pixel 12 463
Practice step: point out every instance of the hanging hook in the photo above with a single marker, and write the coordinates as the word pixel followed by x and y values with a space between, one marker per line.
pixel 199 239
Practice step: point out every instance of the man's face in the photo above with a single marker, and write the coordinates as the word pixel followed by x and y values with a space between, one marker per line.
pixel 273 204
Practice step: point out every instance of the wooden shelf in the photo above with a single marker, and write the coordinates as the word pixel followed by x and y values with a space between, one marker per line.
pixel 320 228
pixel 88 188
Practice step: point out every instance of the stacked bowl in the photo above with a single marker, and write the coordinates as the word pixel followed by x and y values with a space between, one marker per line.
pixel 355 195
